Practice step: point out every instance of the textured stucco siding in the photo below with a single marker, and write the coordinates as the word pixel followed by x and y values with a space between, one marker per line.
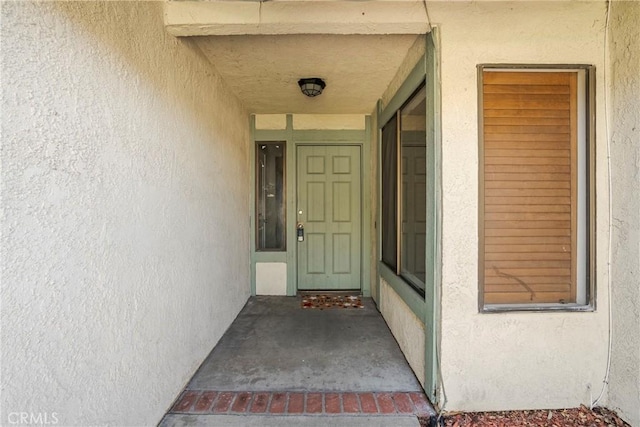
pixel 511 360
pixel 624 114
pixel 406 327
pixel 270 121
pixel 328 121
pixel 411 59
pixel 125 203
pixel 271 278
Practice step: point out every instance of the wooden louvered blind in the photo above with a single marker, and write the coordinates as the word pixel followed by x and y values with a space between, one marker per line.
pixel 528 189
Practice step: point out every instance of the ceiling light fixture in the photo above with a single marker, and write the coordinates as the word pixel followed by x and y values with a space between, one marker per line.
pixel 311 86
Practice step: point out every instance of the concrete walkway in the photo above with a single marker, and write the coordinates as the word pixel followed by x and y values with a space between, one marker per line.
pixel 280 364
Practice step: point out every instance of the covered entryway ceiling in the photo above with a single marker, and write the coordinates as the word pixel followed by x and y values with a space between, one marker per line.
pixel 261 49
pixel 263 71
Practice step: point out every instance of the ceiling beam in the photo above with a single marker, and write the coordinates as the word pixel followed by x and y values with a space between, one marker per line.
pixel 208 18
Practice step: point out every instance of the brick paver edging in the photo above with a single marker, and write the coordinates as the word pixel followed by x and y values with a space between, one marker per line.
pixel 301 403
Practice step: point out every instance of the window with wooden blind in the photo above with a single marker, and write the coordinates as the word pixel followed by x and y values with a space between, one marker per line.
pixel 535 187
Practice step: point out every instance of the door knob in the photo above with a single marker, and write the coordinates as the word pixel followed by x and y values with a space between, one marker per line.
pixel 300 232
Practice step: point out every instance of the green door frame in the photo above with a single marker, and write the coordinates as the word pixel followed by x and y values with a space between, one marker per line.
pixel 293 138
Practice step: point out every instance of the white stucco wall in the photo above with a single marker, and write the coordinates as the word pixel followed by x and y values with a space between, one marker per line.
pixel 411 59
pixel 271 278
pixel 125 203
pixel 624 115
pixel 328 121
pixel 406 327
pixel 271 121
pixel 311 121
pixel 511 360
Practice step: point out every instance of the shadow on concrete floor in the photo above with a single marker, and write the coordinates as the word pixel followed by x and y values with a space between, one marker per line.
pixel 279 358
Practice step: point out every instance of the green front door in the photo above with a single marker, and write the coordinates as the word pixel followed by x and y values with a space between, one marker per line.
pixel 329 208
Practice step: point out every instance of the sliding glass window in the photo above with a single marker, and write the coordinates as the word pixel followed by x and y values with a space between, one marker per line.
pixel 404 187
pixel 413 152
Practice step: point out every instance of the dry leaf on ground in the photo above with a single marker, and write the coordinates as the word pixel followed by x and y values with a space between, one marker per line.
pixel 578 417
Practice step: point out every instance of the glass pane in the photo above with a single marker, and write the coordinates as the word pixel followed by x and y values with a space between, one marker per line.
pixel 270 196
pixel 389 193
pixel 413 153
